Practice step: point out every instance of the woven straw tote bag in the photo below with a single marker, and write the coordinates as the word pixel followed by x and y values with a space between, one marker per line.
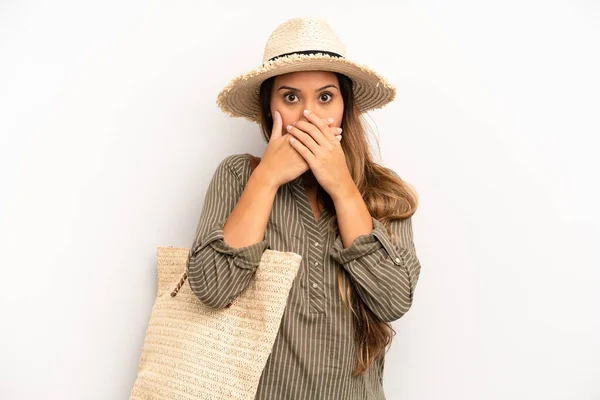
pixel 193 351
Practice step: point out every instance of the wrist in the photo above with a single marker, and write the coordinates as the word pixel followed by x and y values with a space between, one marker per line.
pixel 264 178
pixel 346 193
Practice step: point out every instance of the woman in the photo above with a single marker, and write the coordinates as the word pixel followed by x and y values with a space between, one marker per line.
pixel 316 192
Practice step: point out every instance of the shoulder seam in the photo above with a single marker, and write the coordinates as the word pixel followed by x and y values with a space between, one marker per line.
pixel 237 164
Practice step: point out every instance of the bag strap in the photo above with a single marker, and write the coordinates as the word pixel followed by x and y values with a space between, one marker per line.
pixel 254 161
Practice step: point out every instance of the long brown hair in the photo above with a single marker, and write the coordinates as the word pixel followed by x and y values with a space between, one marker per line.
pixel 387 197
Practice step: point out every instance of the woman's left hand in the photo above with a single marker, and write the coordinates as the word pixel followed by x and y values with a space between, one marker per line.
pixel 317 143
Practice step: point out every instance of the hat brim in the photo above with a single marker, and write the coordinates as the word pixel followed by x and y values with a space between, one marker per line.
pixel 240 98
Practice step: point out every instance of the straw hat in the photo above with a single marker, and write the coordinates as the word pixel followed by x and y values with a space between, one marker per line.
pixel 303 44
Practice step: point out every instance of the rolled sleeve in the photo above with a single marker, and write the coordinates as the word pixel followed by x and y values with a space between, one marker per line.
pixel 384 273
pixel 365 245
pixel 247 257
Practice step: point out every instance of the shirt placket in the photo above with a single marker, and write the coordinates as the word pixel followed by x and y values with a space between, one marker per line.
pixel 316 246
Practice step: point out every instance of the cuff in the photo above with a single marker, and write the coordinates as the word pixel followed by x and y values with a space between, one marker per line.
pixel 366 244
pixel 245 257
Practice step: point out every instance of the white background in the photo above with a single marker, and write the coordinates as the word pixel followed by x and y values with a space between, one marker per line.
pixel 110 134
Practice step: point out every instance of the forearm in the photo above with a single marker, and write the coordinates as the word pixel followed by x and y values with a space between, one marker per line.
pixel 384 273
pixel 218 272
pixel 248 220
pixel 353 216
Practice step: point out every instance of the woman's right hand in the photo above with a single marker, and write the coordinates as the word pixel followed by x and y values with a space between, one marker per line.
pixel 280 162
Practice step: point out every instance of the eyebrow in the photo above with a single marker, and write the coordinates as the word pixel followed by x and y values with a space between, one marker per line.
pixel 316 90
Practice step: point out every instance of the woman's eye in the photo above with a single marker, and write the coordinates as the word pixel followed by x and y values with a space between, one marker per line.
pixel 290 97
pixel 325 97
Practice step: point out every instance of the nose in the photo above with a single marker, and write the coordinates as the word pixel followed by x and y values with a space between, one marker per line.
pixel 311 106
pixel 300 116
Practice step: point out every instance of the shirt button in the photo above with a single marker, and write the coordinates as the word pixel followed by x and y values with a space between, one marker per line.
pixel 316 263
pixel 397 260
pixel 315 285
pixel 316 243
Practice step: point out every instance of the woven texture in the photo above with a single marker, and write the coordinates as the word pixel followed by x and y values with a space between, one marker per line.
pixel 193 351
pixel 298 34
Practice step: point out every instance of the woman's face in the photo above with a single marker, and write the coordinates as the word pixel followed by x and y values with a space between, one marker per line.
pixel 316 91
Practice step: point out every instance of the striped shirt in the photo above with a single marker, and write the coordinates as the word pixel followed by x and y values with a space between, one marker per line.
pixel 314 351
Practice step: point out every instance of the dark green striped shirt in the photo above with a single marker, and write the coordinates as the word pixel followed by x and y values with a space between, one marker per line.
pixel 314 352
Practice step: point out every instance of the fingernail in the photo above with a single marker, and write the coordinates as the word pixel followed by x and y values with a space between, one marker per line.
pixel 330 120
pixel 339 137
pixel 292 140
pixel 289 127
pixel 306 112
pixel 339 130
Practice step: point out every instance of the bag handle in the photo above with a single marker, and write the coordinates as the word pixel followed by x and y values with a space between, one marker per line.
pixel 254 161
